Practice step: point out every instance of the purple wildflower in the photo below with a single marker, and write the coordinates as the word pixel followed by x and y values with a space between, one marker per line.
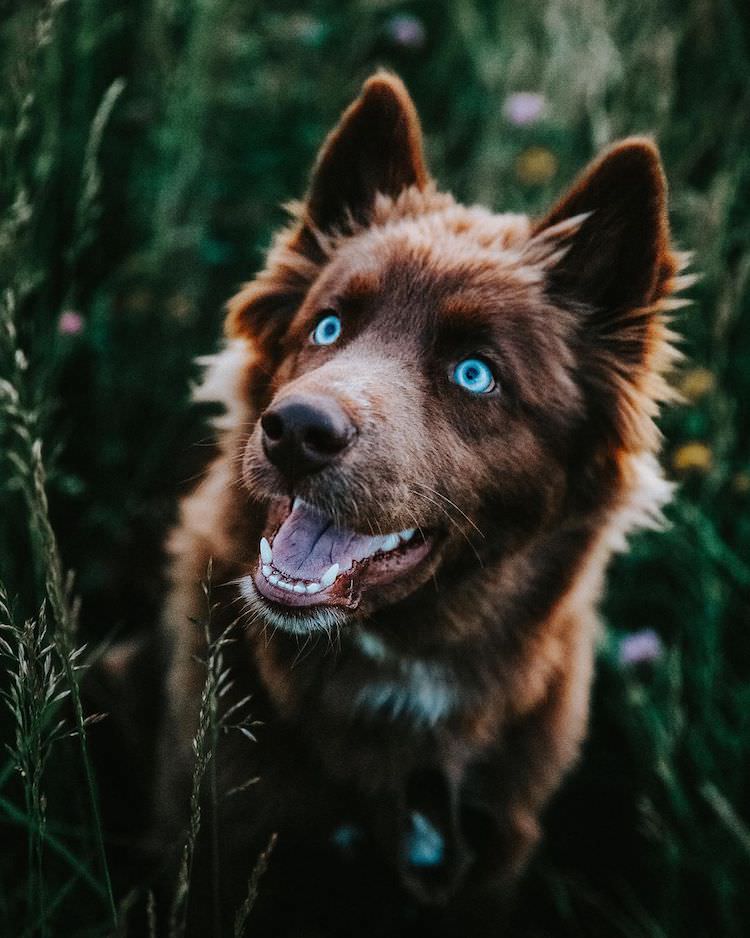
pixel 523 108
pixel 640 647
pixel 406 31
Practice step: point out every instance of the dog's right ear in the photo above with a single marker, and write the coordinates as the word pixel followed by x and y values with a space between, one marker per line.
pixel 375 148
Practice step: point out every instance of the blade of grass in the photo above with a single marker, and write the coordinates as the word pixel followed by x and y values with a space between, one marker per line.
pixel 243 913
pixel 17 816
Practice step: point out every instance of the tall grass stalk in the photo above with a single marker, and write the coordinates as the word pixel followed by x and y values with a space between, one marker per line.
pixel 211 723
pixel 32 697
pixel 21 421
pixel 37 687
pixel 203 752
pixel 88 207
pixel 243 913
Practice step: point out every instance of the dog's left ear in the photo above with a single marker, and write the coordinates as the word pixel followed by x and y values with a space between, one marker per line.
pixel 617 257
pixel 376 147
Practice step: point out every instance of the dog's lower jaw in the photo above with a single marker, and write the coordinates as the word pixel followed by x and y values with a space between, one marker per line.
pixel 309 621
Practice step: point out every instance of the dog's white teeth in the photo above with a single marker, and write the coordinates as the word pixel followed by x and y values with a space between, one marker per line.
pixel 390 542
pixel 298 586
pixel 376 545
pixel 330 575
pixel 266 555
pixel 297 502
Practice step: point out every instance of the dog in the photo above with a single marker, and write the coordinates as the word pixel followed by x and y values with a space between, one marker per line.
pixel 438 425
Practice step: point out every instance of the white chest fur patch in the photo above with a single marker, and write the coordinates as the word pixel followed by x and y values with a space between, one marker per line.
pixel 423 692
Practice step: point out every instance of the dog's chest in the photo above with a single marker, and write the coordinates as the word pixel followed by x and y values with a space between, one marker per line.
pixel 369 716
pixel 415 691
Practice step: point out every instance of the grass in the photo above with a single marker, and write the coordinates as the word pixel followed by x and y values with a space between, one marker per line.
pixel 213 721
pixel 145 148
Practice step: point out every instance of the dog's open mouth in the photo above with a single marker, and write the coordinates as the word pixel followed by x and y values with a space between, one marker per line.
pixel 306 561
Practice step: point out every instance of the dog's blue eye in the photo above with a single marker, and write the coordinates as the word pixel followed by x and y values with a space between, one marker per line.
pixel 327 330
pixel 473 375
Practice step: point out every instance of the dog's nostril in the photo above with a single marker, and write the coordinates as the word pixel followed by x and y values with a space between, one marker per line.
pixel 273 426
pixel 326 440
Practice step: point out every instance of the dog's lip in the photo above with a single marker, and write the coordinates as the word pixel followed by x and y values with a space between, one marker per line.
pixel 393 558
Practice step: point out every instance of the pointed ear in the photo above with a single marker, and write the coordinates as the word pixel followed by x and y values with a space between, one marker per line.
pixel 376 147
pixel 618 257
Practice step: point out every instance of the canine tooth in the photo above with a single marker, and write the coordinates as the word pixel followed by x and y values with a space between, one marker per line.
pixel 266 570
pixel 407 534
pixel 273 579
pixel 390 542
pixel 330 575
pixel 297 502
pixel 265 551
pixel 313 587
pixel 299 588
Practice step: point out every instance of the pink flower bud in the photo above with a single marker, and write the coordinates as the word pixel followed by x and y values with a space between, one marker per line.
pixel 70 323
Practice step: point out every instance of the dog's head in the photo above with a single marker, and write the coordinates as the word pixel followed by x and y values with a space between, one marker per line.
pixel 435 385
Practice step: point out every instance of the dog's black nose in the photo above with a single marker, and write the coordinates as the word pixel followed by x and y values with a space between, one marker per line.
pixel 303 434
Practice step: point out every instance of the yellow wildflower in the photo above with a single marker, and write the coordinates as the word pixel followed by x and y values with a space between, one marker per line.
pixel 696 383
pixel 535 166
pixel 693 457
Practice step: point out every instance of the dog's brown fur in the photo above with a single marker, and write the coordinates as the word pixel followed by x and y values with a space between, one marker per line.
pixel 487 657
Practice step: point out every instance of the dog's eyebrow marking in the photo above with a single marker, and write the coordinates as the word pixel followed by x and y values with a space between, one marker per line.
pixel 363 285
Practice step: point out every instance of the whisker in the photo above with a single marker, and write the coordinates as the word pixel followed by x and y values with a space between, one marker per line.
pixel 453 522
pixel 414 518
pixel 235 581
pixel 300 656
pixel 453 504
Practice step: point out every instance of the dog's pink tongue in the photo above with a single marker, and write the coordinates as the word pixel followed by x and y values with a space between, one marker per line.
pixel 307 544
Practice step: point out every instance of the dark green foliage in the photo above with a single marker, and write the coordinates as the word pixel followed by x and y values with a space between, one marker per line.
pixel 145 148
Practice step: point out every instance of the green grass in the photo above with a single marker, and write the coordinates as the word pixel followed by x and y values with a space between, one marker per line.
pixel 145 149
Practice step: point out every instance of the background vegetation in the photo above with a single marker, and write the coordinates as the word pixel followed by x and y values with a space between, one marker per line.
pixel 145 148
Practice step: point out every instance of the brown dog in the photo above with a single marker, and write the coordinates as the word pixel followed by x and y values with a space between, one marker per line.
pixel 438 427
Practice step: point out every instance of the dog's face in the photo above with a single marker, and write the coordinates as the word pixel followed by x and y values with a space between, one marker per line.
pixel 437 385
